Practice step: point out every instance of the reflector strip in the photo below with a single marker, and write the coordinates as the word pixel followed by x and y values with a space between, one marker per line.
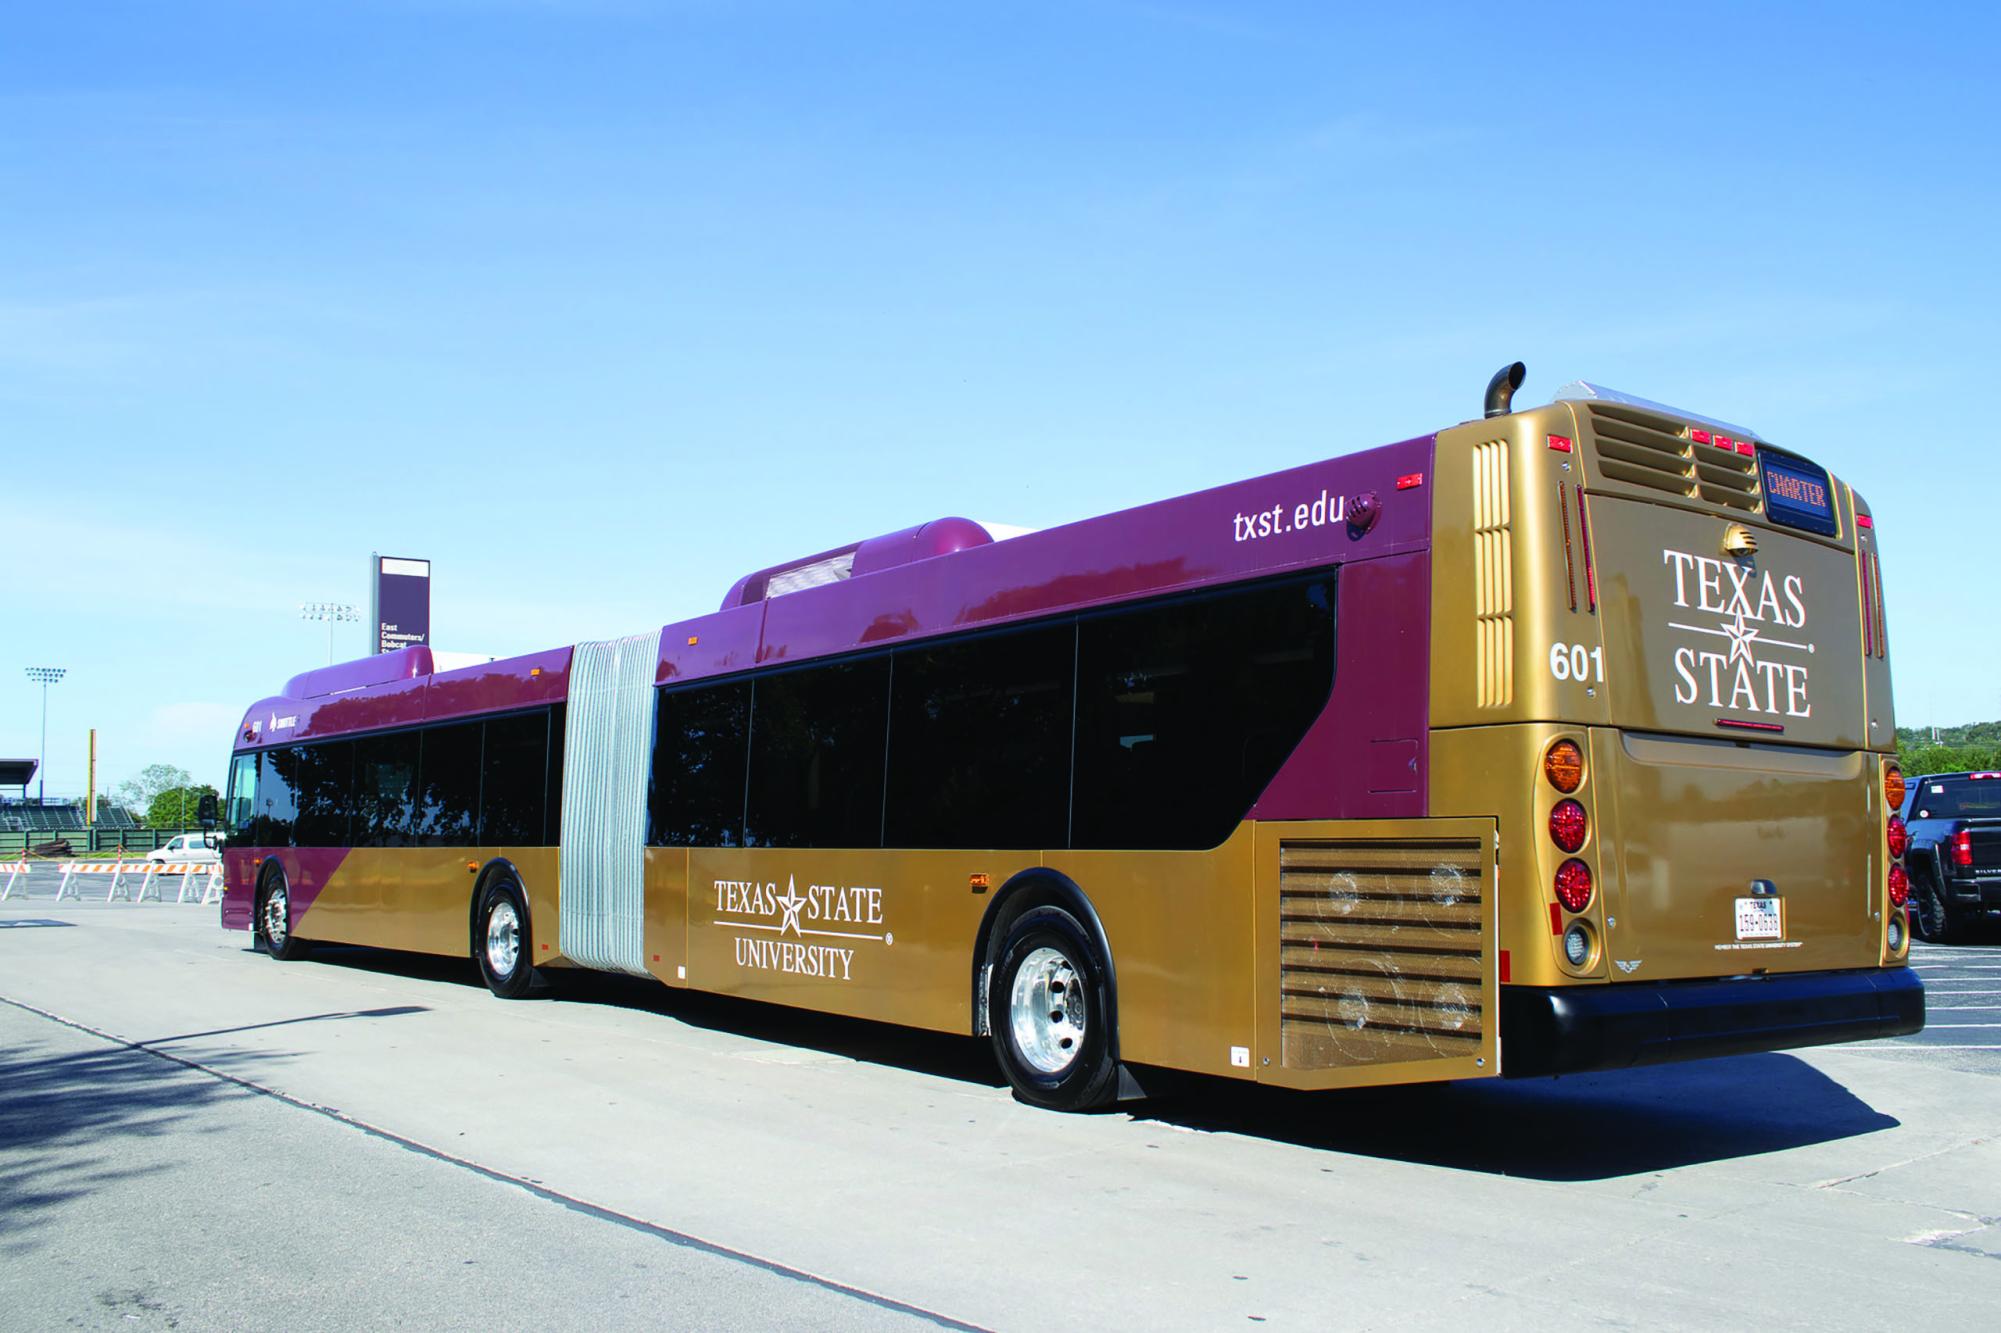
pixel 1569 575
pixel 1749 726
pixel 1868 607
pixel 1584 534
pixel 1556 918
pixel 1875 569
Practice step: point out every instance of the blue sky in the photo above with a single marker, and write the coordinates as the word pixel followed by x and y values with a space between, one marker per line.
pixel 600 305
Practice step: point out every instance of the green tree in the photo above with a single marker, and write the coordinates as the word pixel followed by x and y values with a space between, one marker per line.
pixel 139 793
pixel 176 807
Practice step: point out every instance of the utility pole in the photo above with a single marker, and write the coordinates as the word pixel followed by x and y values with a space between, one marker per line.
pixel 45 677
pixel 331 612
pixel 90 800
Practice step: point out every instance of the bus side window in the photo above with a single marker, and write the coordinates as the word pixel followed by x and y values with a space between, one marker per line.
pixel 816 751
pixel 323 783
pixel 1186 710
pixel 701 744
pixel 385 782
pixel 277 798
pixel 448 785
pixel 979 742
pixel 513 801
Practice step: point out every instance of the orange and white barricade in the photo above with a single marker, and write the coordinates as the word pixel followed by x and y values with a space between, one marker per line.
pixel 148 883
pixel 13 870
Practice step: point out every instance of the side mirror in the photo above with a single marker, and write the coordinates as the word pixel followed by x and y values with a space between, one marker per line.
pixel 205 812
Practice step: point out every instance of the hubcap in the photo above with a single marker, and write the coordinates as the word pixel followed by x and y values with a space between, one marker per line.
pixel 277 915
pixel 1047 1011
pixel 503 938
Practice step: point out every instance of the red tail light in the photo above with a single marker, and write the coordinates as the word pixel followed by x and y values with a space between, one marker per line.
pixel 1567 823
pixel 1962 848
pixel 1573 886
pixel 1898 837
pixel 1900 886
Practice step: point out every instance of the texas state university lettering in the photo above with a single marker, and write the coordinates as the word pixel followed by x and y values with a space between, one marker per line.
pixel 851 914
pixel 1739 674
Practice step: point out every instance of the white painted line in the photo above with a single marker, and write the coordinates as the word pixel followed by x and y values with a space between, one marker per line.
pixel 1930 991
pixel 1906 1046
pixel 1941 1027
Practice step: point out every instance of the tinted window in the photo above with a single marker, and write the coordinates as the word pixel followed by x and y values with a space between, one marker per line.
pixel 816 741
pixel 558 724
pixel 700 745
pixel 323 779
pixel 448 785
pixel 1186 709
pixel 512 790
pixel 385 789
pixel 979 751
pixel 240 811
pixel 277 801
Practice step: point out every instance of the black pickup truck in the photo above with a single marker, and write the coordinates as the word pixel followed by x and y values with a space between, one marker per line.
pixel 1954 821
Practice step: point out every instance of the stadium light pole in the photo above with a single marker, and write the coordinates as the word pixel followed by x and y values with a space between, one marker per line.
pixel 45 677
pixel 331 612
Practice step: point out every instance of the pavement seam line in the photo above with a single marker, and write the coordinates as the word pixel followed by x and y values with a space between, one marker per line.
pixel 593 1210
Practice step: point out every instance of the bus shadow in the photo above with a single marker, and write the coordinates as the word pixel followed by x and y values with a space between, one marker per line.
pixel 1581 1127
pixel 965 1059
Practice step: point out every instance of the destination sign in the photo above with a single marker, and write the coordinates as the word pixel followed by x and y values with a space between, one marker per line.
pixel 1796 493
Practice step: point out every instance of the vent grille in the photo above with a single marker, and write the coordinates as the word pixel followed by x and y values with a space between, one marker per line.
pixel 1493 576
pixel 1379 951
pixel 1655 452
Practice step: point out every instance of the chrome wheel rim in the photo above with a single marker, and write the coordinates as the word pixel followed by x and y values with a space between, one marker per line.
pixel 503 938
pixel 1047 1011
pixel 277 915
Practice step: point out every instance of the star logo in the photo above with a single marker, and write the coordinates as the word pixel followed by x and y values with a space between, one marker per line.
pixel 790 905
pixel 1741 635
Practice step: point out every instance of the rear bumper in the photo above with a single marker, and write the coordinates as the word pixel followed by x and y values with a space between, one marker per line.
pixel 1984 891
pixel 1572 1029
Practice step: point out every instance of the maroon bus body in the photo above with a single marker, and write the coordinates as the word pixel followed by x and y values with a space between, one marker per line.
pixel 1365 757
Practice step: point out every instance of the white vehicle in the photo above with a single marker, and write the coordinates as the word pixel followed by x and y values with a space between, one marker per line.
pixel 185 849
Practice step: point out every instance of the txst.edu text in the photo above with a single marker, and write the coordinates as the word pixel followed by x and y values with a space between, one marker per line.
pixel 1290 518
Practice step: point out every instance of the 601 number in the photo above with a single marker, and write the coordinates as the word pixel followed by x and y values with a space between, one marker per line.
pixel 1573 661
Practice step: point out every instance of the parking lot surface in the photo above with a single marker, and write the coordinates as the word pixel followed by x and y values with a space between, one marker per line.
pixel 192 1135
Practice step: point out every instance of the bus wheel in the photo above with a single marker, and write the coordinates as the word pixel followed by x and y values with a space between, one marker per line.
pixel 502 941
pixel 1929 912
pixel 1049 1010
pixel 273 920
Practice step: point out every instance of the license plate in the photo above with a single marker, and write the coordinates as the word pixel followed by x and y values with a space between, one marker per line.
pixel 1758 919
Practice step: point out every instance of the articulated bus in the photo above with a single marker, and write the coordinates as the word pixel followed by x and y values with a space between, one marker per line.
pixel 1557 740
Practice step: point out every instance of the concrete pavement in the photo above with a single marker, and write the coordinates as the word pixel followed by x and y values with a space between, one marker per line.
pixel 845 1172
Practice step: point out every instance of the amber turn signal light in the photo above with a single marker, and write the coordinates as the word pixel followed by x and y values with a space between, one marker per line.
pixel 1563 765
pixel 1893 787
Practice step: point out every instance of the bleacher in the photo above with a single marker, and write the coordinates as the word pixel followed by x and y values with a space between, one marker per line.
pixel 28 815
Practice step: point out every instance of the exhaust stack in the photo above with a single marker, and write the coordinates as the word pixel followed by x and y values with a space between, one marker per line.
pixel 1501 388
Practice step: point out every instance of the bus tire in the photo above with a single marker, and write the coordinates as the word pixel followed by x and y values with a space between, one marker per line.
pixel 271 922
pixel 503 941
pixel 1048 1011
pixel 1931 915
